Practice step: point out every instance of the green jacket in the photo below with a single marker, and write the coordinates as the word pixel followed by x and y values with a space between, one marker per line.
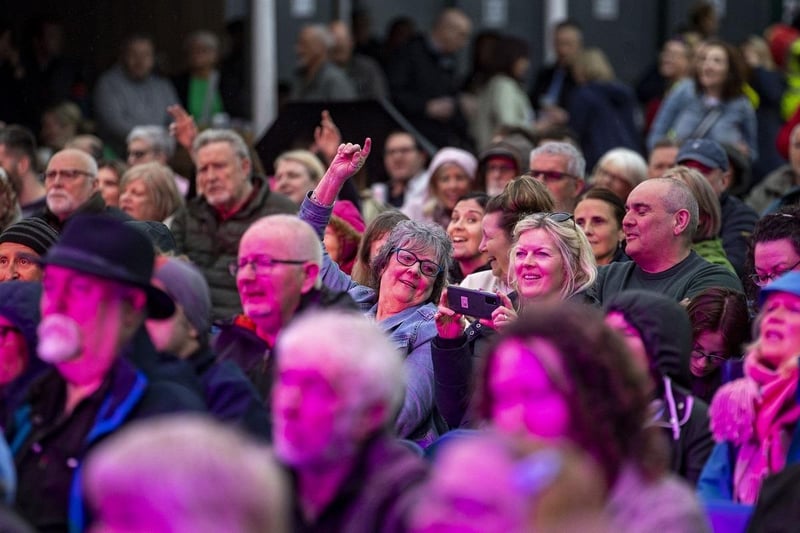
pixel 711 250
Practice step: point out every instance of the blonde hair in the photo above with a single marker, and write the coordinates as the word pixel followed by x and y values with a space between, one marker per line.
pixel 580 267
pixel 160 182
pixel 311 162
pixel 593 65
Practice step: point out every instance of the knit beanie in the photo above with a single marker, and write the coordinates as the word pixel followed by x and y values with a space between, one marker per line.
pixel 188 288
pixel 348 212
pixel 34 233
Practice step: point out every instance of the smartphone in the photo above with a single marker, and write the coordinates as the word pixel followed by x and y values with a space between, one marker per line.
pixel 472 302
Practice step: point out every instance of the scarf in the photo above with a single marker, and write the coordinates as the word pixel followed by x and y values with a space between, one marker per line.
pixel 757 413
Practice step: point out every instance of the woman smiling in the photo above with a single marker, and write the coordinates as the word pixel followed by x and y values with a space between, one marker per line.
pixel 464 231
pixel 409 271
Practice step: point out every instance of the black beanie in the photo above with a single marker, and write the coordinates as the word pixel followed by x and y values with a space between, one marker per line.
pixel 34 233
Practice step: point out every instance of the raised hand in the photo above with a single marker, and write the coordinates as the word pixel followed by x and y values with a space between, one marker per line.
pixel 183 127
pixel 327 137
pixel 348 160
pixel 504 315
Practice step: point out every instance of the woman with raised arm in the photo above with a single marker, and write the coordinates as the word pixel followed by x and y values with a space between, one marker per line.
pixel 409 271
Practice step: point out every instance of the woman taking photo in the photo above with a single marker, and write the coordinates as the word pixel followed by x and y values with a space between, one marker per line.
pixel 520 197
pixel 409 271
pixel 551 260
pixel 711 106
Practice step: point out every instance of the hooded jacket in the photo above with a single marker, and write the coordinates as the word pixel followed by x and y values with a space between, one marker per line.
pixel 666 333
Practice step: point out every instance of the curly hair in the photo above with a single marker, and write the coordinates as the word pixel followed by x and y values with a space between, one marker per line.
pixel 783 224
pixel 605 391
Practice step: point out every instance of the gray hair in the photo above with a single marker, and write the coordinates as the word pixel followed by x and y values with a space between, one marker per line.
pixel 416 237
pixel 373 375
pixel 159 181
pixel 677 197
pixel 580 267
pixel 632 164
pixel 576 163
pixel 211 136
pixel 157 137
pixel 176 457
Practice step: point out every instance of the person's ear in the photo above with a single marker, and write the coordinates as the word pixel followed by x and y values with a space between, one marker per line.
pixel 311 272
pixel 681 221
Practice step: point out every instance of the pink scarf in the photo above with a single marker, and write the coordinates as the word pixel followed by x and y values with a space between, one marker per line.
pixel 758 414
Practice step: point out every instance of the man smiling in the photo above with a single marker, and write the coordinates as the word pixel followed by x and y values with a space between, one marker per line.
pixel 661 219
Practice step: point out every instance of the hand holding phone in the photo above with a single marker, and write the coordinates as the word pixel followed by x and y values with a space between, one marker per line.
pixel 471 302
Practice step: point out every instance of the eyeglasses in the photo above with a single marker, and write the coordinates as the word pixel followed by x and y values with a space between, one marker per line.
pixel 699 353
pixel 548 176
pixel 259 264
pixel 559 217
pixel 409 258
pixel 763 279
pixel 69 174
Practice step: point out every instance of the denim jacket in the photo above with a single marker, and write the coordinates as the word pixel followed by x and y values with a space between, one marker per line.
pixel 410 330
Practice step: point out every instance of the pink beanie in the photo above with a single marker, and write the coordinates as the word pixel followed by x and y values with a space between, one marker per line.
pixel 345 210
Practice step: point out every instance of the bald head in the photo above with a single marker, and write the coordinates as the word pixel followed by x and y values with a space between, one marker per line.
pixel 286 236
pixel 451 30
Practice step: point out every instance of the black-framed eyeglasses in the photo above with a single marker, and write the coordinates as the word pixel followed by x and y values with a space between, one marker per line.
pixel 259 263
pixel 409 258
pixel 549 176
pixel 763 279
pixel 68 174
pixel 699 353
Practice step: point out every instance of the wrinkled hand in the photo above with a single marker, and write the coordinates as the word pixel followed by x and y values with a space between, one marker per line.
pixel 449 324
pixel 503 316
pixel 348 160
pixel 183 127
pixel 327 137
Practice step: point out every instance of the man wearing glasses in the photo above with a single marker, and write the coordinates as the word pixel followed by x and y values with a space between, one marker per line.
pixel 560 166
pixel 277 276
pixel 71 186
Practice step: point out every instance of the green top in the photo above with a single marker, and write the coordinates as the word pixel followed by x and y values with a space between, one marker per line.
pixel 711 250
pixel 197 100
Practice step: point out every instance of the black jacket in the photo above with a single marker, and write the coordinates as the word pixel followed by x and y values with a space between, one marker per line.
pixel 666 333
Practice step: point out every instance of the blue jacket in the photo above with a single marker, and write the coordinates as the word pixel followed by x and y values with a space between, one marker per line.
pixel 683 110
pixel 130 396
pixel 411 331
pixel 716 479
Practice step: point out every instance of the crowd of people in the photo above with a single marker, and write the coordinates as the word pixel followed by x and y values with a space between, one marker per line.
pixel 581 313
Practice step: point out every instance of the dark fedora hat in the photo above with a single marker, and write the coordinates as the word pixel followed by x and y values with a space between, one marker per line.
pixel 111 249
